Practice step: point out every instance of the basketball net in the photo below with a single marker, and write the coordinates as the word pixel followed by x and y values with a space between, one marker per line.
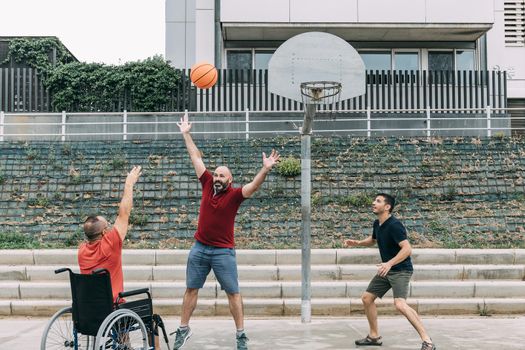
pixel 314 93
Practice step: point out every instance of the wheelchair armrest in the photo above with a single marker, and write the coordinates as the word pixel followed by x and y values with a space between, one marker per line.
pixel 134 292
pixel 99 271
pixel 63 269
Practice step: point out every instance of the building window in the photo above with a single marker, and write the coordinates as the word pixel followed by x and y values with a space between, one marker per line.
pixel 514 19
pixel 377 60
pixel 406 61
pixel 441 60
pixel 262 58
pixel 239 59
pixel 465 60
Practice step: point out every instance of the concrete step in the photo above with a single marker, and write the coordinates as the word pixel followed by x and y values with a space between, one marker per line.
pixel 366 256
pixel 292 307
pixel 277 273
pixel 279 289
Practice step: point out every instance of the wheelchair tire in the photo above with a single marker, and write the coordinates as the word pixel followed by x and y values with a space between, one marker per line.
pixel 58 333
pixel 122 329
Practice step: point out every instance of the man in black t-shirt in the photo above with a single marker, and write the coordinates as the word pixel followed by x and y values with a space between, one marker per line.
pixel 394 271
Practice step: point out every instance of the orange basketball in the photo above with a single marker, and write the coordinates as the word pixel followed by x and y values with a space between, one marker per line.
pixel 203 75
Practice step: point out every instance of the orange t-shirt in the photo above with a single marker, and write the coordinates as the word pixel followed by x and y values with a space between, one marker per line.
pixel 105 253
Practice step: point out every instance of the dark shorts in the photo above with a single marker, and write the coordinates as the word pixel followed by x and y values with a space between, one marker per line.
pixel 397 280
pixel 204 258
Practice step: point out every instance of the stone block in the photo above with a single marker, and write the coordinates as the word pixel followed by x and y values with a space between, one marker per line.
pixel 45 290
pixel 256 273
pixel 449 306
pixel 493 272
pixel 358 256
pixel 17 257
pixel 58 257
pixel 256 257
pixel 44 308
pixel 500 289
pixel 433 256
pixel 12 273
pixel 138 257
pixel 438 272
pixel 442 289
pixel 171 257
pixel 318 273
pixel 484 256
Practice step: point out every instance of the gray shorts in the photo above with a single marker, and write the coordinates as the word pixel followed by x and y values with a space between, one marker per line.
pixel 204 258
pixel 397 280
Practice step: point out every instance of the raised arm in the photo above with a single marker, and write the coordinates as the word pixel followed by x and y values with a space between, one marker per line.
pixel 195 154
pixel 268 162
pixel 121 223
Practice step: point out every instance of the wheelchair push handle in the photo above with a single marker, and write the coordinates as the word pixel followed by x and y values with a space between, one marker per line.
pixel 63 269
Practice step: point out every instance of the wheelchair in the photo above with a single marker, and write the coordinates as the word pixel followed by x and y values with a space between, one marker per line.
pixel 94 321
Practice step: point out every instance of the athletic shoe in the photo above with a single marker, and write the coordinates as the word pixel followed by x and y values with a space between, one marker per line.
pixel 242 342
pixel 368 340
pixel 181 337
pixel 428 346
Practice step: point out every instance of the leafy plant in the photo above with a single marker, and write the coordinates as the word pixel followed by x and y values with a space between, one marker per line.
pixel 289 167
pixel 138 219
pixel 36 52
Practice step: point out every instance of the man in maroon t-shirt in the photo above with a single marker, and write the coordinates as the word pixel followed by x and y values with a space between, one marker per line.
pixel 214 241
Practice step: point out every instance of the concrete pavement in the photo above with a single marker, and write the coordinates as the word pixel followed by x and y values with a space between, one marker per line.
pixel 449 333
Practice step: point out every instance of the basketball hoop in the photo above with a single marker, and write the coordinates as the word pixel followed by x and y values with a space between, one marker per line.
pixel 320 92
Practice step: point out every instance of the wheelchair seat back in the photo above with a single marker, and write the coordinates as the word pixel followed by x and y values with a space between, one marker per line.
pixel 92 301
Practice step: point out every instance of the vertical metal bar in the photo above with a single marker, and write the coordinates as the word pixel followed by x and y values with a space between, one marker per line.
pixel 63 126
pixel 425 103
pixel 247 123
pixel 389 88
pixel 482 88
pixel 394 87
pixel 504 105
pixel 12 88
pixel 266 93
pixel 24 88
pixel 487 80
pixel 431 79
pixel 441 88
pixel 453 75
pixel 489 126
pixel 184 92
pixel 437 83
pixel 428 122
pixel 500 95
pixel 18 95
pixel 236 96
pixel 412 97
pixel 459 89
pixel 30 91
pixel 248 88
pixel 219 89
pixel 125 125
pixel 406 88
pixel 493 89
pixel 230 88
pixel 240 84
pixel 447 88
pixel 470 90
pixel 476 90
pixel 383 83
pixel 261 83
pixel 225 89
pixel 372 82
pixel 465 90
pixel 368 122
pixel 377 82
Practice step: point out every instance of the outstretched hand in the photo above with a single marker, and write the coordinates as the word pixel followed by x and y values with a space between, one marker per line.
pixel 269 162
pixel 184 125
pixel 134 175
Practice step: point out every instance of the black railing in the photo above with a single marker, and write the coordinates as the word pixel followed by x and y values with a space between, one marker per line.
pixel 21 90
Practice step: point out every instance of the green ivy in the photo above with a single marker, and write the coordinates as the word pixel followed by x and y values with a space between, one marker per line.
pixel 36 52
pixel 136 86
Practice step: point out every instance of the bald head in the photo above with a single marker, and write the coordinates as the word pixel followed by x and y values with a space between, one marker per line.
pixel 94 226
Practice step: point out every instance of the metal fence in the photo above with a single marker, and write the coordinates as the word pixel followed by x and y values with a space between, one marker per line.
pixel 21 90
pixel 155 126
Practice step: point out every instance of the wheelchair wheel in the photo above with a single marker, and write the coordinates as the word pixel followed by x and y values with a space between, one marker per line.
pixel 58 333
pixel 122 329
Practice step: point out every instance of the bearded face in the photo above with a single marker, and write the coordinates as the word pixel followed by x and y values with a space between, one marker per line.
pixel 221 179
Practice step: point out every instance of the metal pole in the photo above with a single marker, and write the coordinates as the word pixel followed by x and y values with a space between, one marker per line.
pixel 306 190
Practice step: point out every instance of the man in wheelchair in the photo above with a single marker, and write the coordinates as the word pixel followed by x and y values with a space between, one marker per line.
pixel 101 317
